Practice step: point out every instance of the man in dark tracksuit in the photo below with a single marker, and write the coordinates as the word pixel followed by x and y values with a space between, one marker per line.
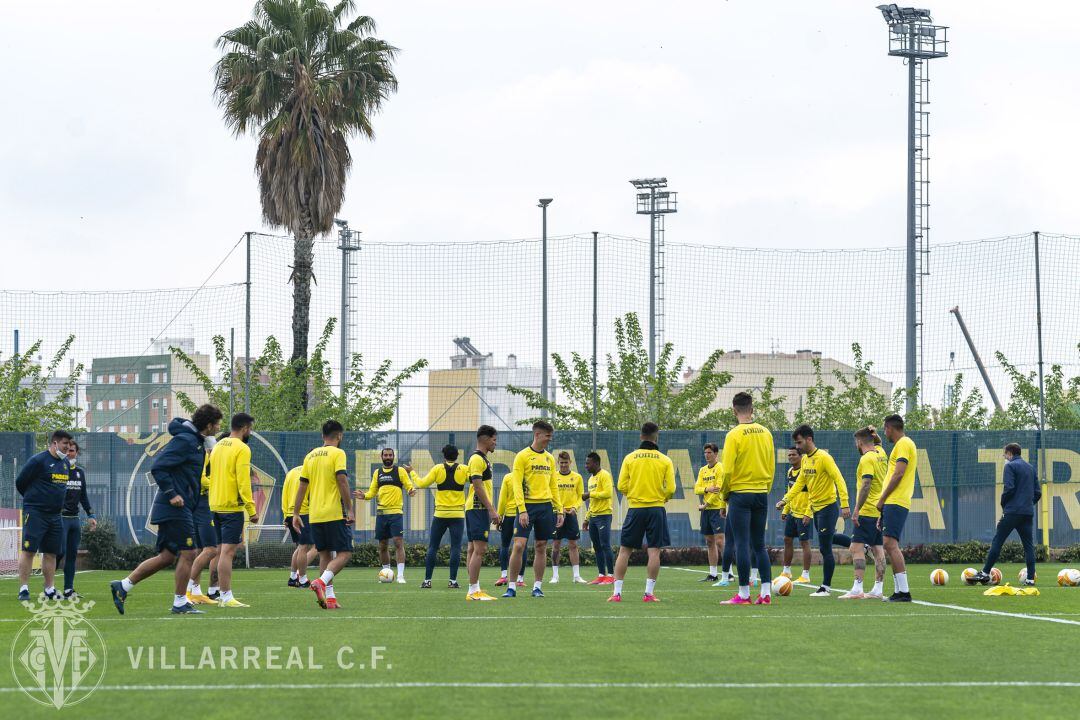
pixel 42 482
pixel 71 527
pixel 177 470
pixel 1018 500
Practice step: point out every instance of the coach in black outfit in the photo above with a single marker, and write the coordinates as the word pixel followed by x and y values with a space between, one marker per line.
pixel 1018 501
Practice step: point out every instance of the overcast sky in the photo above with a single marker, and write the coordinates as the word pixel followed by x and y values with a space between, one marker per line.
pixel 780 124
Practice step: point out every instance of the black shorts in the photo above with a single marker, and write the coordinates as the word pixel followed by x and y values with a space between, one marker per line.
pixel 711 522
pixel 794 527
pixel 42 532
pixel 867 532
pixel 205 532
pixel 176 535
pixel 541 521
pixel 230 527
pixel 648 524
pixel 304 536
pixel 893 518
pixel 506 529
pixel 570 530
pixel 334 535
pixel 389 526
pixel 477 525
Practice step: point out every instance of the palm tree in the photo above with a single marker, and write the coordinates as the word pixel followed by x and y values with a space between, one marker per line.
pixel 303 83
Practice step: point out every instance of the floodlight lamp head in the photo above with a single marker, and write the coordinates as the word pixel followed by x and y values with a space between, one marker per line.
pixel 544 202
pixel 894 14
pixel 341 223
pixel 649 182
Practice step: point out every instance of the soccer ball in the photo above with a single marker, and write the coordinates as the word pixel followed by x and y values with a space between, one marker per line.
pixel 995 576
pixel 386 575
pixel 939 577
pixel 781 585
pixel 969 576
pixel 1069 577
pixel 1022 575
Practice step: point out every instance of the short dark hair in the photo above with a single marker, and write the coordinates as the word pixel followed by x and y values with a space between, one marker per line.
pixel 332 427
pixel 205 416
pixel 543 425
pixel 896 421
pixel 649 428
pixel 387 448
pixel 564 454
pixel 59 435
pixel 712 446
pixel 241 421
pixel 486 431
pixel 78 449
pixel 742 401
pixel 449 452
pixel 804 431
pixel 593 456
pixel 1013 449
pixel 793 449
pixel 868 434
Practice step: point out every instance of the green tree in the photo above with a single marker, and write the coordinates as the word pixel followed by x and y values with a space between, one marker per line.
pixel 23 388
pixel 1062 399
pixel 303 80
pixel 278 392
pixel 960 412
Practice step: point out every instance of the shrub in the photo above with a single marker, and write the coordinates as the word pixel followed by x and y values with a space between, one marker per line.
pixel 1070 554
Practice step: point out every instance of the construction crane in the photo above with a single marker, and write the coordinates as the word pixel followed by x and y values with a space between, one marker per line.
pixel 978 360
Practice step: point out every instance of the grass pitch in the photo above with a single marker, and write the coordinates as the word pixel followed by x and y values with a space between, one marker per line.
pixel 572 654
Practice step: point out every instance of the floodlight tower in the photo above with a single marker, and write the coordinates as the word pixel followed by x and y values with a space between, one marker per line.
pixel 913 35
pixel 653 200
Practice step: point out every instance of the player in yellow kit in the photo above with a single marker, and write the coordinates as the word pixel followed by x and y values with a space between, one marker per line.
pixel 571 490
pixel 205 536
pixel 749 464
pixel 508 510
pixel 792 515
pixel 647 479
pixel 537 496
pixel 480 512
pixel 598 518
pixel 707 488
pixel 449 478
pixel 389 484
pixel 821 479
pixel 324 478
pixel 231 499
pixel 301 539
pixel 873 464
pixel 895 501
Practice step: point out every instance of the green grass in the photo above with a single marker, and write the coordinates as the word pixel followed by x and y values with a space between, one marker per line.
pixel 574 636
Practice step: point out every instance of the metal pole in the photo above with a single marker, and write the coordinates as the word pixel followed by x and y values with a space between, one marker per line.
pixel 544 322
pixel 595 283
pixel 247 330
pixel 16 341
pixel 343 235
pixel 978 359
pixel 232 371
pixel 652 282
pixel 911 230
pixel 1040 460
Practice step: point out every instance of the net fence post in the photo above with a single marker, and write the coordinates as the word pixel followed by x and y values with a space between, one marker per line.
pixel 1040 463
pixel 247 326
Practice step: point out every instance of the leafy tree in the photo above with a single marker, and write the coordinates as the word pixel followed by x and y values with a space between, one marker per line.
pixel 23 387
pixel 960 412
pixel 278 392
pixel 303 80
pixel 1062 399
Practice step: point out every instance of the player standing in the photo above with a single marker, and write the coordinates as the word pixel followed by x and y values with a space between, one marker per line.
pixel 792 514
pixel 895 502
pixel 598 518
pixel 231 499
pixel 647 479
pixel 749 462
pixel 206 541
pixel 1019 495
pixel 389 484
pixel 571 491
pixel 480 513
pixel 324 479
pixel 450 480
pixel 301 555
pixel 71 528
pixel 707 487
pixel 873 464
pixel 43 484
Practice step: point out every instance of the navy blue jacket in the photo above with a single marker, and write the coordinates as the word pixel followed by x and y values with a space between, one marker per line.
pixel 1021 490
pixel 76 494
pixel 177 470
pixel 43 482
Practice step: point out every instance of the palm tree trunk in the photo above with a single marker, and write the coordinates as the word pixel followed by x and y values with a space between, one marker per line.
pixel 303 260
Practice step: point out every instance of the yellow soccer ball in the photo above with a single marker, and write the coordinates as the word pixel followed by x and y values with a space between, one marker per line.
pixel 969 576
pixel 781 585
pixel 939 577
pixel 386 575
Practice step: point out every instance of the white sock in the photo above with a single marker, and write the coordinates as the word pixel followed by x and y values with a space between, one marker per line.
pixel 618 587
pixel 474 588
pixel 712 570
pixel 24 588
pixel 857 587
pixel 330 592
pixel 537 585
pixel 554 572
pixel 303 578
pixel 327 577
pixel 730 576
pixel 503 574
pixel 766 589
pixel 190 585
pixel 195 590
pixel 293 575
pixel 805 575
pixel 744 592
pixel 787 570
pixel 226 595
pixel 879 587
pixel 901 581
pixel 577 570
pixel 127 584
pixel 521 579
pixel 386 566
pixel 213 589
pixel 754 576
pixel 179 600
pixel 650 585
pixel 50 591
pixel 401 569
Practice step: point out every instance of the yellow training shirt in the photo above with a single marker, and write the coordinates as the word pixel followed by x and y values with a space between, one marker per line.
pixel 748 460
pixel 230 477
pixel 534 478
pixel 450 480
pixel 601 489
pixel 799 505
pixel 647 477
pixel 506 505
pixel 821 478
pixel 479 468
pixel 288 494
pixel 388 485
pixel 571 488
pixel 872 468
pixel 707 477
pixel 321 469
pixel 903 450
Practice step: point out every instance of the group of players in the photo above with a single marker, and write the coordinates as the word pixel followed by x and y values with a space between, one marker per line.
pixel 204 499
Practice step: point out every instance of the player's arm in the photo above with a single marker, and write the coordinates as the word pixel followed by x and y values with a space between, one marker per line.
pixel 298 501
pixel 243 481
pixel 520 467
pixel 428 479
pixel 898 474
pixel 864 492
pixel 407 477
pixel 799 486
pixel 603 489
pixel 476 477
pixel 699 484
pixel 25 478
pixel 342 478
pixel 165 462
pixel 556 496
pixel 624 476
pixel 841 485
pixel 1009 478
pixel 372 490
pixel 727 462
pixel 84 500
pixel 668 483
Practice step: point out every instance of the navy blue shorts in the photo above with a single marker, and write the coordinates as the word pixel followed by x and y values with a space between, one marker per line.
pixel 205 532
pixel 794 527
pixel 389 526
pixel 304 536
pixel 477 525
pixel 541 521
pixel 711 522
pixel 176 536
pixel 893 518
pixel 867 532
pixel 507 530
pixel 571 528
pixel 42 532
pixel 334 535
pixel 647 524
pixel 230 527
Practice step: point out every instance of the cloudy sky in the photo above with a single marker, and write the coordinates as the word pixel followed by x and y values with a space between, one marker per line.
pixel 780 124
